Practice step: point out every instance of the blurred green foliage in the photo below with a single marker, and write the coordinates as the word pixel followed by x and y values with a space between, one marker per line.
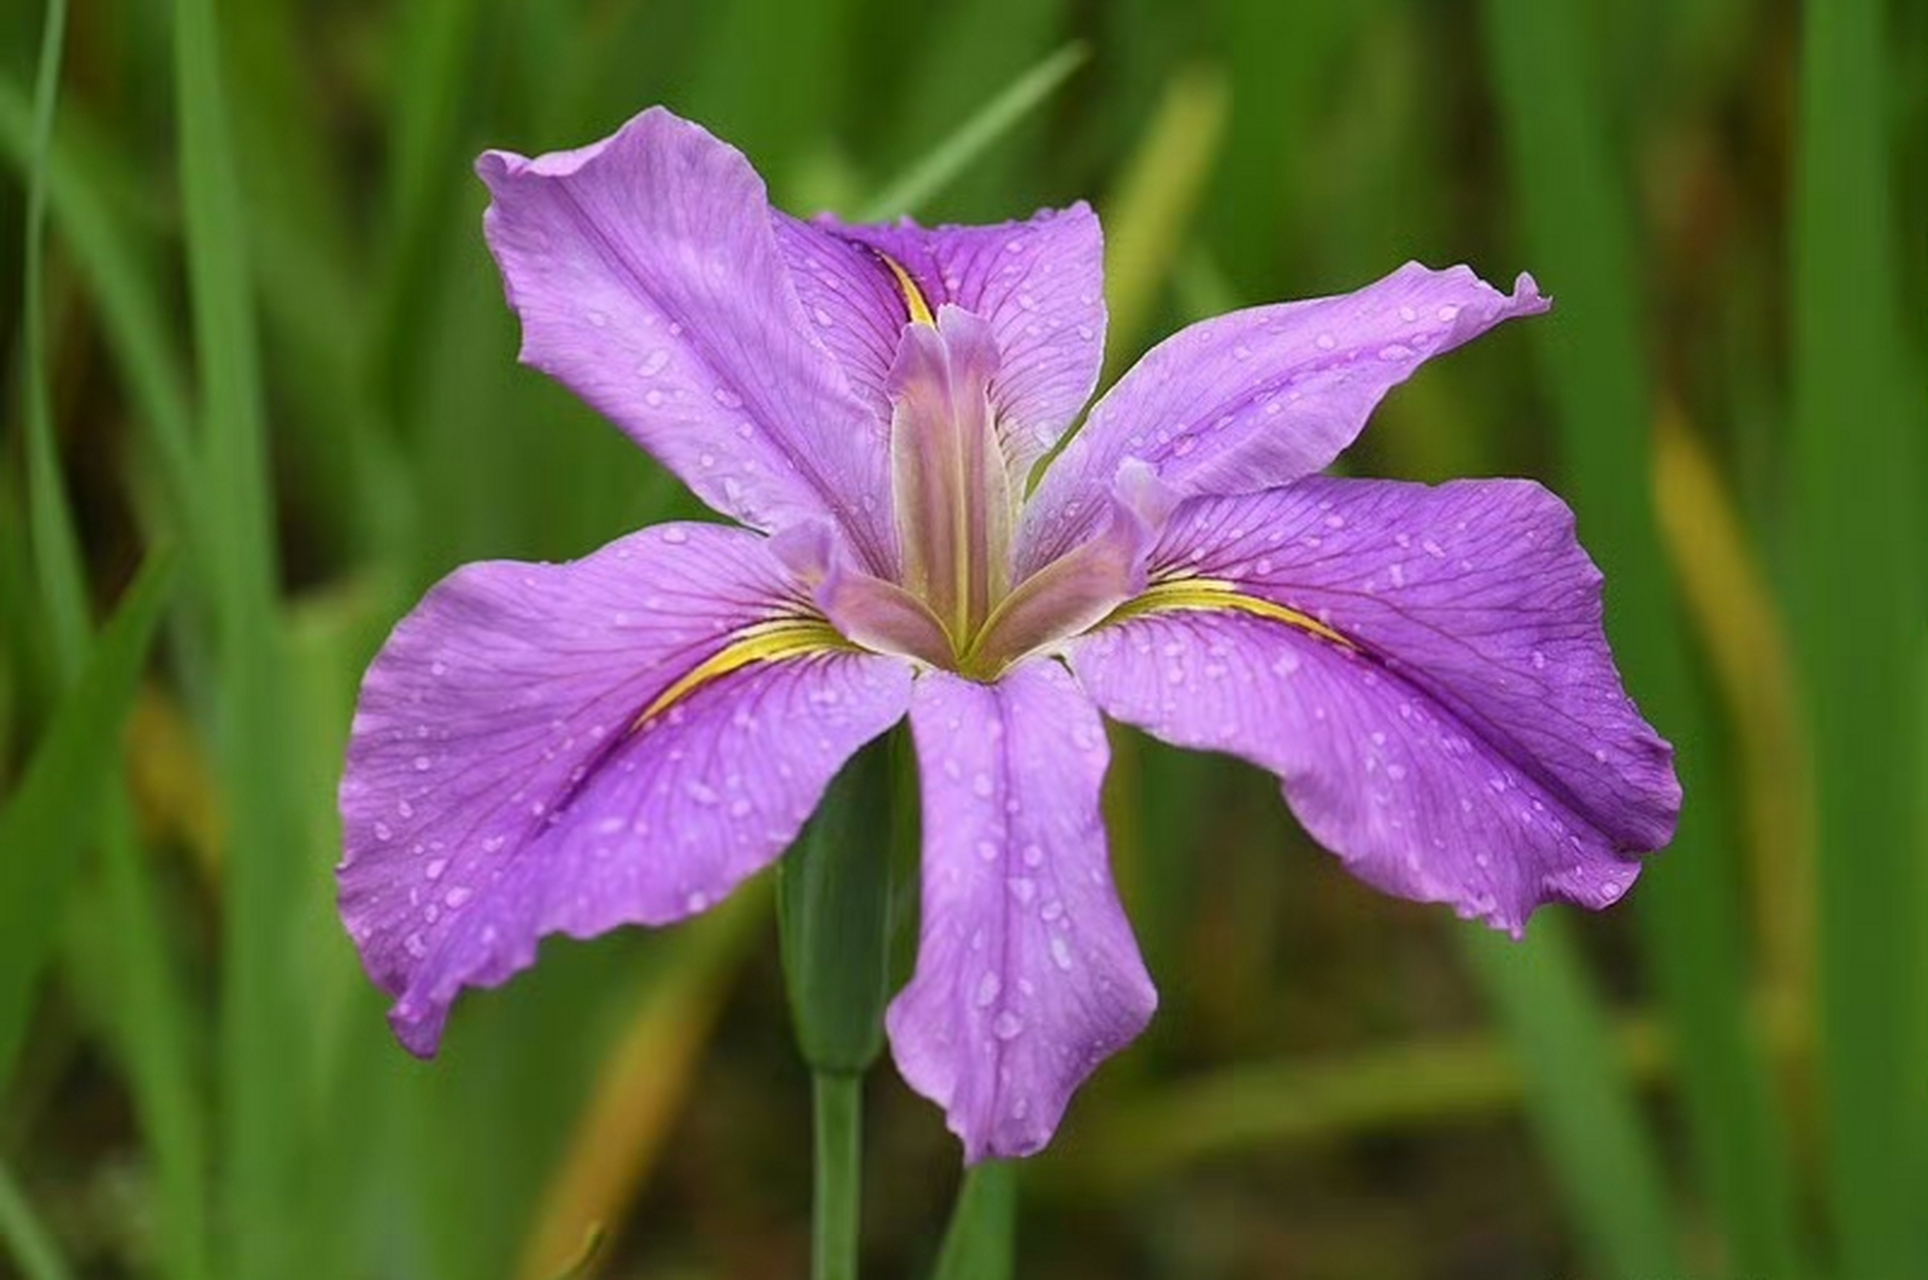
pixel 264 329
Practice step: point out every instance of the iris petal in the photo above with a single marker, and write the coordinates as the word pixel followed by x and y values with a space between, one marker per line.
pixel 648 280
pixel 1261 397
pixel 1038 284
pixel 1465 739
pixel 1027 973
pixel 531 756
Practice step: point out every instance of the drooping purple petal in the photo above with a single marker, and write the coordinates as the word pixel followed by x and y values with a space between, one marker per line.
pixel 530 755
pixel 1027 973
pixel 1471 744
pixel 1258 398
pixel 1039 284
pixel 646 273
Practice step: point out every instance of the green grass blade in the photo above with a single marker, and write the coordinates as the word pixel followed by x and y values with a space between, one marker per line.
pixel 1577 224
pixel 153 1036
pixel 56 551
pixel 435 45
pixel 1148 218
pixel 263 1062
pixel 1579 1097
pixel 949 158
pixel 962 55
pixel 125 286
pixel 1857 465
pixel 48 820
pixel 26 1238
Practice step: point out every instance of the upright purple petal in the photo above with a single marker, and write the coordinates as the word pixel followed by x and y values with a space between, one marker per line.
pixel 855 303
pixel 1039 284
pixel 1027 973
pixel 1261 397
pixel 1468 740
pixel 565 748
pixel 646 272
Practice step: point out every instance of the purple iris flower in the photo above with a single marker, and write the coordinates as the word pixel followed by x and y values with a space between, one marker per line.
pixel 622 739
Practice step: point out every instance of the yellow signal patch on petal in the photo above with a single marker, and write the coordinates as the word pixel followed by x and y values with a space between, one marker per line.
pixel 770 641
pixel 914 300
pixel 1215 594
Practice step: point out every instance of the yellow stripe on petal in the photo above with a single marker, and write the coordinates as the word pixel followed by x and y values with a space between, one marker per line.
pixel 1215 594
pixel 920 309
pixel 770 641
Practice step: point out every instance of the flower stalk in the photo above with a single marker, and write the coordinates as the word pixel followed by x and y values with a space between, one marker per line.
pixel 835 917
pixel 838 1194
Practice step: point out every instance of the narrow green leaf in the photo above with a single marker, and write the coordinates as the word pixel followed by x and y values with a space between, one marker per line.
pixel 1579 1096
pixel 958 58
pixel 48 821
pixel 125 285
pixel 56 550
pixel 981 1241
pixel 263 1037
pixel 1149 215
pixel 434 49
pixel 154 1037
pixel 944 162
pixel 1858 485
pixel 25 1236
pixel 1579 230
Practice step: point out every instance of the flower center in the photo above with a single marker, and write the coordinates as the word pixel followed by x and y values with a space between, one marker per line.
pixel 951 478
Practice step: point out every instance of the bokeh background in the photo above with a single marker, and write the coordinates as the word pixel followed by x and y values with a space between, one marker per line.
pixel 260 390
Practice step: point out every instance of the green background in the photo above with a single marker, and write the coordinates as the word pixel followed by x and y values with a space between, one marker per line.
pixel 260 390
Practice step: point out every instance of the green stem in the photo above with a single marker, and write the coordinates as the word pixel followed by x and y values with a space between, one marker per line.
pixel 981 1241
pixel 839 1099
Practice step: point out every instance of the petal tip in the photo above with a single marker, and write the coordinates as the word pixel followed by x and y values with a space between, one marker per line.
pixel 1527 298
pixel 418 1029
